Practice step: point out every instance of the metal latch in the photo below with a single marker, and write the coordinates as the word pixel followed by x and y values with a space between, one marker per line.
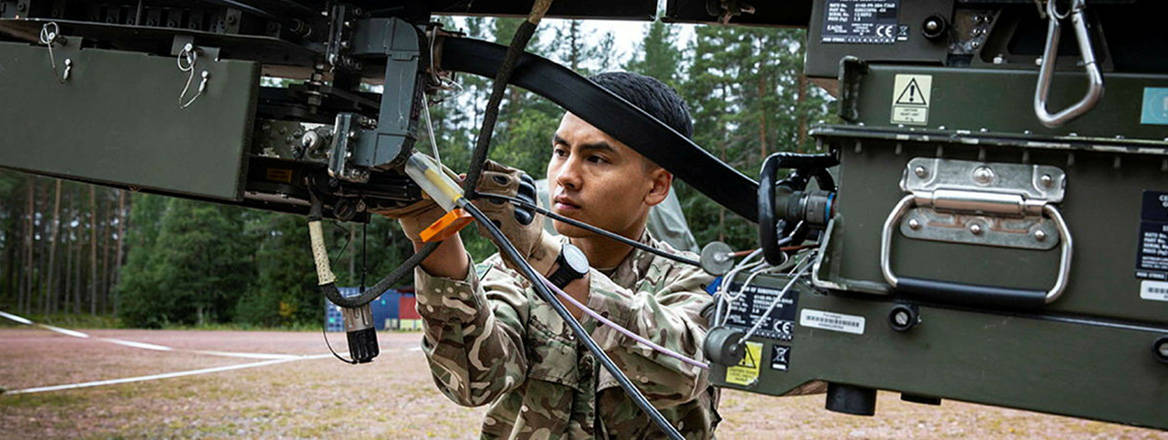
pixel 978 203
pixel 994 204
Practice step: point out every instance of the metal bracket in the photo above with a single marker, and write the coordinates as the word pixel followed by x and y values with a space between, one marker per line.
pixel 362 143
pixel 998 204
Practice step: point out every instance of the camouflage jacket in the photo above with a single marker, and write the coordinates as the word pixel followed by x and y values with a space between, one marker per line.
pixel 490 339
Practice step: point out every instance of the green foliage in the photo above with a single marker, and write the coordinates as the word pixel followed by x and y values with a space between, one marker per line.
pixel 198 266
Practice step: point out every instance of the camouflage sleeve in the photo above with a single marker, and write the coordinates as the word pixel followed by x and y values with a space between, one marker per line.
pixel 666 309
pixel 473 334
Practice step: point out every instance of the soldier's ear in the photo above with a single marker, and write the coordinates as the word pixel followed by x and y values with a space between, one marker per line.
pixel 660 181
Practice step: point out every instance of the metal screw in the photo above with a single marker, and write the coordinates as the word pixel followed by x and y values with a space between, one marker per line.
pixel 983 175
pixel 901 317
pixel 1040 235
pixel 914 224
pixel 1038 61
pixel 975 44
pixel 920 171
pixel 1163 349
pixel 1046 180
pixel 932 25
pixel 999 59
pixel 975 229
pixel 352 134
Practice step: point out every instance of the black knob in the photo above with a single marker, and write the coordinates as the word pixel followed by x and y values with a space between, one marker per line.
pixel 1160 349
pixel 903 317
pixel 933 27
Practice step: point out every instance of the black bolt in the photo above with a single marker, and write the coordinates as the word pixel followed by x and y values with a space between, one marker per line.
pixel 933 27
pixel 1160 349
pixel 903 317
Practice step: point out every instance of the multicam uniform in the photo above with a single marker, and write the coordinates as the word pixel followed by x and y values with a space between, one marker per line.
pixel 491 340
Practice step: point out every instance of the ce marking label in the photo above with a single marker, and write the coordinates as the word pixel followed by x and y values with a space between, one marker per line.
pixel 784 329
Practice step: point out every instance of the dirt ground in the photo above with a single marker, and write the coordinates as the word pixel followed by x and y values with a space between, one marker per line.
pixel 393 397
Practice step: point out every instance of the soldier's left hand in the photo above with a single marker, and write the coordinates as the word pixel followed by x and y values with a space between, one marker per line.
pixel 520 225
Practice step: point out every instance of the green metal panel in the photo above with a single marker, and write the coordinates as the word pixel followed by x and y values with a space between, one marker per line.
pixel 1106 179
pixel 116 120
pixel 1071 367
pixel 1002 101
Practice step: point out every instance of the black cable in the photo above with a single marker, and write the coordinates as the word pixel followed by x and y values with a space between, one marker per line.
pixel 593 229
pixel 407 267
pixel 491 115
pixel 364 265
pixel 324 333
pixel 512 254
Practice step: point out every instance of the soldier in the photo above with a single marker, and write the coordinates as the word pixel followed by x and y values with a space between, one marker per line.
pixel 490 339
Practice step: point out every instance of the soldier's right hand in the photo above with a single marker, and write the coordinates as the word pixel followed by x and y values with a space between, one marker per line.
pixel 414 217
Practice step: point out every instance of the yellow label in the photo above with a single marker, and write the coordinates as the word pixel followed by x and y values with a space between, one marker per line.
pixel 279 175
pixel 746 372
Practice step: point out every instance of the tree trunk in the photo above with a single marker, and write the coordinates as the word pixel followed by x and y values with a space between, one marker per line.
pixel 67 246
pixel 762 115
pixel 105 258
pixel 50 281
pixel 92 250
pixel 122 217
pixel 26 276
pixel 77 264
pixel 799 100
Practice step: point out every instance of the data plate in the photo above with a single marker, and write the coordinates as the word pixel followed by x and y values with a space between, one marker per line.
pixel 859 21
pixel 752 302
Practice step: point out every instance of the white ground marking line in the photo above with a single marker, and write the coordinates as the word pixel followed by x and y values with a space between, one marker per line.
pixel 248 355
pixel 15 318
pixel 65 331
pixel 138 344
pixel 163 376
pixel 147 346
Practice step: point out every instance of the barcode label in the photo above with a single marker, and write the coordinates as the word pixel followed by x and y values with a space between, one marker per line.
pixel 1154 290
pixel 832 321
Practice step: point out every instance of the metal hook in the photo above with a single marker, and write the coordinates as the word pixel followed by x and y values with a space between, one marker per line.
pixel 49 38
pixel 1046 71
pixel 190 54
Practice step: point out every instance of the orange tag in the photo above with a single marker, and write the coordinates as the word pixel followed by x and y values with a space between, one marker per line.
pixel 446 226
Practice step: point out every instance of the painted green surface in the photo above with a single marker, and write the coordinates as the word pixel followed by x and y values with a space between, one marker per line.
pixel 117 120
pixel 1029 363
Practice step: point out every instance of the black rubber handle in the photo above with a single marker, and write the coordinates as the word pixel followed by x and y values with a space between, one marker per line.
pixel 971 294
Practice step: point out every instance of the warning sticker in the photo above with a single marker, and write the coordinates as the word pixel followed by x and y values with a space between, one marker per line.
pixel 780 357
pixel 911 95
pixel 1152 245
pixel 837 322
pixel 746 372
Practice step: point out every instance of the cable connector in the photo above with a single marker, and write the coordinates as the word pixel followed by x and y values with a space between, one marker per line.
pixel 440 184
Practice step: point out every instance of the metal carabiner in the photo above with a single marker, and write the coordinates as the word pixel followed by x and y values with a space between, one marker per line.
pixel 1049 55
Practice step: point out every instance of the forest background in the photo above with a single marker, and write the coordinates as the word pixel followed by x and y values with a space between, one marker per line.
pixel 71 251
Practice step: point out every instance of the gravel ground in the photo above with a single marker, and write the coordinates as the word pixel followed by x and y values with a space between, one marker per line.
pixel 393 397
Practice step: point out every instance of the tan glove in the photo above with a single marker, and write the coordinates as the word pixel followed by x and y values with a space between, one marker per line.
pixel 414 217
pixel 522 226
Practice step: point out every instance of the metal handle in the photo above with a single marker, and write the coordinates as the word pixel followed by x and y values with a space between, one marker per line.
pixel 947 291
pixel 1046 72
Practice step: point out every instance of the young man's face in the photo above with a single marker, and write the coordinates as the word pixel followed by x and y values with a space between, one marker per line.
pixel 601 181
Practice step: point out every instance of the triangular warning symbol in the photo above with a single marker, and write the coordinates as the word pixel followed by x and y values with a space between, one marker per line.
pixel 748 360
pixel 911 95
